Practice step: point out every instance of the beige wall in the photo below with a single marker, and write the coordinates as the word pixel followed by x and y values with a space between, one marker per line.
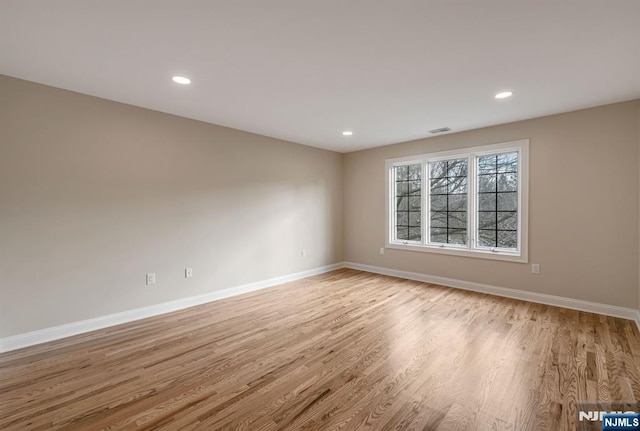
pixel 94 194
pixel 584 194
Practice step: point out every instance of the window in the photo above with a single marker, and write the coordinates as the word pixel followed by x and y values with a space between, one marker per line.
pixel 408 202
pixel 448 201
pixel 469 202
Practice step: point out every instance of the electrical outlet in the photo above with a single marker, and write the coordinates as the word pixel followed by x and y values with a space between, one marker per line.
pixel 151 278
pixel 188 272
pixel 535 268
pixel 303 252
pixel 381 250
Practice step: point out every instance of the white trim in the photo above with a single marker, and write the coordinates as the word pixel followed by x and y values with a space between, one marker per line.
pixel 57 332
pixel 480 149
pixel 457 251
pixel 50 334
pixel 541 298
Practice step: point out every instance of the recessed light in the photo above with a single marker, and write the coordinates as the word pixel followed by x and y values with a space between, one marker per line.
pixel 504 94
pixel 347 133
pixel 181 80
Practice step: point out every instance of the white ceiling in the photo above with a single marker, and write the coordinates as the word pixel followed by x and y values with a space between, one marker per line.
pixel 305 70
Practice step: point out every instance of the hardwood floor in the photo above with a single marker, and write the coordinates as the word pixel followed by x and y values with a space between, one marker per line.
pixel 345 350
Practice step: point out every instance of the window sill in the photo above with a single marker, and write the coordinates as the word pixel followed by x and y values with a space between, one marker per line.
pixel 453 251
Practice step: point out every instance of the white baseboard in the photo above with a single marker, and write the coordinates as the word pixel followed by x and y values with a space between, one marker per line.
pixel 50 334
pixel 542 298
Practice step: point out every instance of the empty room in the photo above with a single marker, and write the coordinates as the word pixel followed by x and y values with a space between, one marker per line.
pixel 320 215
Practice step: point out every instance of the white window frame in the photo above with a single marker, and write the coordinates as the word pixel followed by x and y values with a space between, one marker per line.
pixel 469 250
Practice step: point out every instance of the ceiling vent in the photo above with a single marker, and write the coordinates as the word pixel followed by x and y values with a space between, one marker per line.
pixel 440 130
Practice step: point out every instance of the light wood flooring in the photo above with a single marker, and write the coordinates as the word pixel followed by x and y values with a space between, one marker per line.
pixel 344 350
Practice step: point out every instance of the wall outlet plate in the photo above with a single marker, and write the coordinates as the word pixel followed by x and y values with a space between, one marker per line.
pixel 188 272
pixel 151 278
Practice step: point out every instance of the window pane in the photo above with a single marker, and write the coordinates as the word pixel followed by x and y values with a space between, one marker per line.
pixel 402 218
pixel 457 202
pixel 487 220
pixel 457 168
pixel 457 185
pixel 402 204
pixel 415 234
pixel 487 164
pixel 415 203
pixel 507 239
pixel 402 173
pixel 507 162
pixel 414 219
pixel 487 238
pixel 497 220
pixel 415 172
pixel 438 202
pixel 448 210
pixel 414 187
pixel 439 219
pixel 487 201
pixel 408 197
pixel 507 221
pixel 458 236
pixel 487 183
pixel 508 182
pixel 438 169
pixel 438 235
pixel 439 186
pixel 402 188
pixel 439 239
pixel 507 201
pixel 457 220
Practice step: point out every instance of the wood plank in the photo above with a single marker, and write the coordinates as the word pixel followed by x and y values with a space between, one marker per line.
pixel 344 350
